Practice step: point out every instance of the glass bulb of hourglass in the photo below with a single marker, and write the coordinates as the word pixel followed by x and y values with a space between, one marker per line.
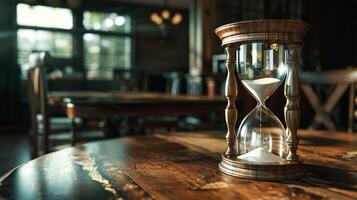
pixel 261 135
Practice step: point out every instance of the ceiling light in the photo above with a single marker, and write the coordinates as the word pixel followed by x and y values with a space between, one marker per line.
pixel 176 19
pixel 165 14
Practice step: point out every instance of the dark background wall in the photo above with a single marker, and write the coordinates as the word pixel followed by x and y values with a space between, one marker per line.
pixel 160 49
pixel 333 34
pixel 332 40
pixel 9 70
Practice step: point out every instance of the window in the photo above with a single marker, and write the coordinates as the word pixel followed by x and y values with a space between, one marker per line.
pixel 106 38
pixel 107 43
pixel 43 28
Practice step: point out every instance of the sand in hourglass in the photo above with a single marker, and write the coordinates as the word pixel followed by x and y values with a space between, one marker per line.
pixel 261 155
pixel 261 89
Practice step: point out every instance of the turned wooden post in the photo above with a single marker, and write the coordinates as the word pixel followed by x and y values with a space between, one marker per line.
pixel 231 92
pixel 292 106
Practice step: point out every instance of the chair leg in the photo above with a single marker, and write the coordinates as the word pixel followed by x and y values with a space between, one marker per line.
pixel 351 107
pixel 33 137
pixel 73 131
pixel 46 134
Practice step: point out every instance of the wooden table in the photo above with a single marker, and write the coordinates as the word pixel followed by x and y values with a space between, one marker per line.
pixel 180 166
pixel 113 104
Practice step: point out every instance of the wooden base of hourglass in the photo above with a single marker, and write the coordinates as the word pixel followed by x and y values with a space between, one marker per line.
pixel 286 170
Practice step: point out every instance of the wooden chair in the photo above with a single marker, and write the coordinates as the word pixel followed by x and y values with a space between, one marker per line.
pixel 48 127
pixel 41 123
pixel 342 79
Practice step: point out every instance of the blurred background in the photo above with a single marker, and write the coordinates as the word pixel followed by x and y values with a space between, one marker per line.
pixel 147 45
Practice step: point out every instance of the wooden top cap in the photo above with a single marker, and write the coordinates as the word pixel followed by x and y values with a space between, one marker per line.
pixel 283 31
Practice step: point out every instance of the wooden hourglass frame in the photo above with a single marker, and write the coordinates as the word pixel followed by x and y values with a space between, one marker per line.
pixel 291 34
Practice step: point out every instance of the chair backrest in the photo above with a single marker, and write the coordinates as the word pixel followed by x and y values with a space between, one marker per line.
pixel 348 75
pixel 37 83
pixel 342 79
pixel 37 92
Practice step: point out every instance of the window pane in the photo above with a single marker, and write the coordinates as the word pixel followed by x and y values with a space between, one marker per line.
pixel 106 21
pixel 103 54
pixel 44 16
pixel 58 44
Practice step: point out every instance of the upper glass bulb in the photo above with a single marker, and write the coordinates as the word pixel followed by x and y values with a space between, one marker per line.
pixel 262 67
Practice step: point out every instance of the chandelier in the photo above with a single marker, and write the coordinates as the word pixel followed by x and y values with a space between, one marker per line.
pixel 166 17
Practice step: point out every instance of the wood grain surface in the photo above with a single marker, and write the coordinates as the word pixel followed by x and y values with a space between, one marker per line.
pixel 180 166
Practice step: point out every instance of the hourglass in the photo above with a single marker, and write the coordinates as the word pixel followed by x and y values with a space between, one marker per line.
pixel 264 55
